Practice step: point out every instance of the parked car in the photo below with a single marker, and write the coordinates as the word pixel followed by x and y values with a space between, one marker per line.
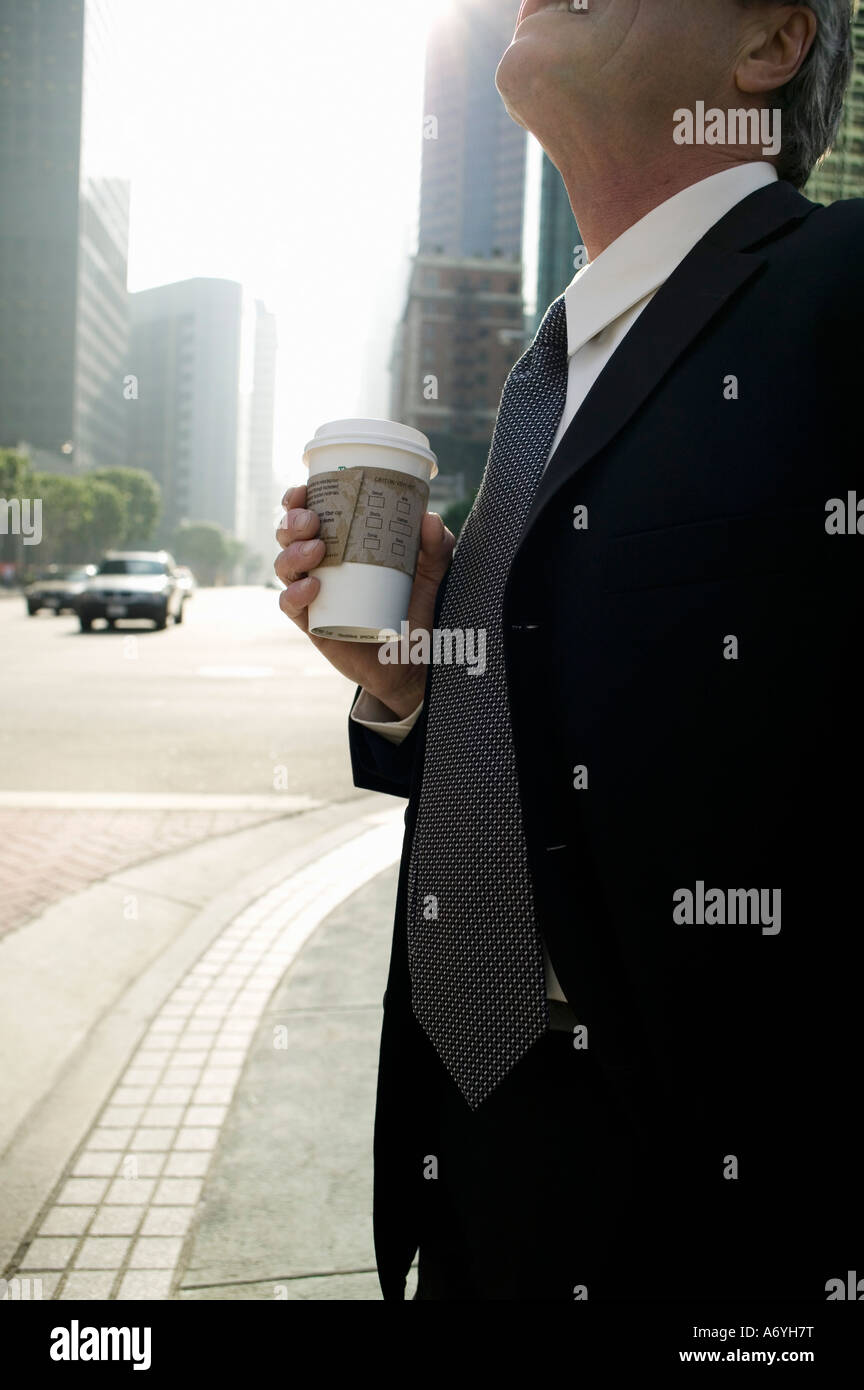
pixel 187 580
pixel 58 589
pixel 133 584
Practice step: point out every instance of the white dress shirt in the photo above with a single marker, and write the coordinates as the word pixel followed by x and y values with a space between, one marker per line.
pixel 603 301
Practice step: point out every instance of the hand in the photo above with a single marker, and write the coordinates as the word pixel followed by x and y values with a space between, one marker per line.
pixel 400 688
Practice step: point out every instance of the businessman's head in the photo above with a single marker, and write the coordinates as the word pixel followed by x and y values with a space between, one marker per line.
pixel 607 76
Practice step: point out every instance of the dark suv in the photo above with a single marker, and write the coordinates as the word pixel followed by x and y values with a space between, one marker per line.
pixel 133 584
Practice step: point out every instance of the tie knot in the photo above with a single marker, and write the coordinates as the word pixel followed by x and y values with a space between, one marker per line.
pixel 549 348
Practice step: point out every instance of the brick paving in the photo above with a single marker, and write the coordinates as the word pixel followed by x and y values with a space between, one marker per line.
pixel 46 855
pixel 116 1223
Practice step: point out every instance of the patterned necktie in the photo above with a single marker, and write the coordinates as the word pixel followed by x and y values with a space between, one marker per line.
pixel 474 951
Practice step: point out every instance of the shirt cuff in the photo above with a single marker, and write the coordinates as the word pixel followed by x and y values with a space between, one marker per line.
pixel 372 714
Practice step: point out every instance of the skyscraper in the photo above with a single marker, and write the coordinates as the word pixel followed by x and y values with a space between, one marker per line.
pixel 473 170
pixel 64 221
pixel 559 239
pixel 203 360
pixel 185 425
pixel 842 173
pixel 460 334
pixel 463 325
pixel 263 492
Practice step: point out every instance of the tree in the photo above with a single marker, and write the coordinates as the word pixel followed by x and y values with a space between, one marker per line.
pixel 254 567
pixel 16 477
pixel 66 515
pixel 459 455
pixel 206 549
pixel 106 520
pixel 241 557
pixel 455 516
pixel 143 503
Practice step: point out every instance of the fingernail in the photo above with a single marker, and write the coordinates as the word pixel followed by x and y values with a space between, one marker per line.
pixel 308 547
pixel 283 522
pixel 302 519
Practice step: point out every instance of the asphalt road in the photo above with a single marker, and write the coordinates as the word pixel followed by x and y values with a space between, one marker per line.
pixel 234 701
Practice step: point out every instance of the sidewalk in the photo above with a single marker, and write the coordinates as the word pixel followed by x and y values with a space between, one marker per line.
pixel 288 1203
pixel 188 1108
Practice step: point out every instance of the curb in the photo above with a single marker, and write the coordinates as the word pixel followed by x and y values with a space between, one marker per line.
pixel 40 1150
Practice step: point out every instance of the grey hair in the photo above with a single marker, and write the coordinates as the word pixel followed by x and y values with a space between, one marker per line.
pixel 812 102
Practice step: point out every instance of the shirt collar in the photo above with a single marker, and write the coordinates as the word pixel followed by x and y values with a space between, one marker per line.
pixel 640 260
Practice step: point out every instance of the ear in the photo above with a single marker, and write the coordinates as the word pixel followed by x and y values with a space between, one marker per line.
pixel 776 48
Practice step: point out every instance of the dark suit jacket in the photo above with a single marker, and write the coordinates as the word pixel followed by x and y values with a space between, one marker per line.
pixel 706 520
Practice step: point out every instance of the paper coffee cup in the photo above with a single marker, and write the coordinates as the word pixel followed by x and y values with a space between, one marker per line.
pixel 369 484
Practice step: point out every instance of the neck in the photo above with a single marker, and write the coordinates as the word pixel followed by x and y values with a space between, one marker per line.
pixel 611 192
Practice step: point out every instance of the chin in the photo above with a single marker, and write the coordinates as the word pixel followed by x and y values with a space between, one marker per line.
pixel 520 79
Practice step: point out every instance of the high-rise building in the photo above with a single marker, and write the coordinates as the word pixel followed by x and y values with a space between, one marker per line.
pixel 64 218
pixel 559 239
pixel 187 424
pixel 203 358
pixel 263 490
pixel 461 332
pixel 463 325
pixel 841 175
pixel 473 169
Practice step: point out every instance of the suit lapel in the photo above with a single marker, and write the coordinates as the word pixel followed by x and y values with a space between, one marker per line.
pixel 706 279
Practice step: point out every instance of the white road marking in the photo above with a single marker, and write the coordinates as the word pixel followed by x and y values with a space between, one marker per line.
pixel 248 673
pixel 152 801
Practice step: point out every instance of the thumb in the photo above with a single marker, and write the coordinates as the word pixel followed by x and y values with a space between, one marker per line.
pixel 436 546
pixel 436 552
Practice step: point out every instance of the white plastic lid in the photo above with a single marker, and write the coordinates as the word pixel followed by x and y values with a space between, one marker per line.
pixel 388 433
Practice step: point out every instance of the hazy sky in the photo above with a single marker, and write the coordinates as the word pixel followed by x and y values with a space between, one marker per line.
pixel 277 143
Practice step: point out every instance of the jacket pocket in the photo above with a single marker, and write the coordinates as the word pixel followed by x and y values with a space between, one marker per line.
pixel 725 548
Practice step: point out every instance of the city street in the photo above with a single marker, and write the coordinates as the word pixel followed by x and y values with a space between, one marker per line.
pixel 201 730
pixel 196 911
pixel 215 705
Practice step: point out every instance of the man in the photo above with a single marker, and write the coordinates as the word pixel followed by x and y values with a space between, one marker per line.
pixel 620 1043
